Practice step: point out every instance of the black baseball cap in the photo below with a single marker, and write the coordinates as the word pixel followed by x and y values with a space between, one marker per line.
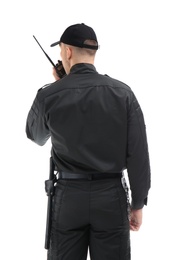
pixel 76 35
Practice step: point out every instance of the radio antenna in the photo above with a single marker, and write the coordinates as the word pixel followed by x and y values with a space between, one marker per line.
pixel 45 53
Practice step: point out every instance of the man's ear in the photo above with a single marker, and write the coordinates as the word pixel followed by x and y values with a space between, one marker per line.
pixel 68 52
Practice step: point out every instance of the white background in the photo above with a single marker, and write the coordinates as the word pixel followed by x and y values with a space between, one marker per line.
pixel 136 48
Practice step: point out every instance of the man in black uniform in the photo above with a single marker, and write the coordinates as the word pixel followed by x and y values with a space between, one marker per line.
pixel 97 131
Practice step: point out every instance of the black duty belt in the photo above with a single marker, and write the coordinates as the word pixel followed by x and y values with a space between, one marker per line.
pixel 88 176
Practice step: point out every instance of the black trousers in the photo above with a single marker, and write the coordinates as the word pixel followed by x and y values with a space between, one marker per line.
pixel 90 214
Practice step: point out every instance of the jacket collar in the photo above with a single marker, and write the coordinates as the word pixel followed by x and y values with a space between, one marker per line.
pixel 83 68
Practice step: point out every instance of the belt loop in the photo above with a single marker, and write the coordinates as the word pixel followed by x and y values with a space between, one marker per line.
pixel 89 176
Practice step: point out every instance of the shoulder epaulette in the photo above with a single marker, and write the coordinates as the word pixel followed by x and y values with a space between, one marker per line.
pixel 45 86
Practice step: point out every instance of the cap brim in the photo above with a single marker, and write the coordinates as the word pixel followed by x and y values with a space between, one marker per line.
pixel 54 44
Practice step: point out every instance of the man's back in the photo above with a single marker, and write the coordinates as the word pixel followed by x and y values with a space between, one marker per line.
pixel 87 116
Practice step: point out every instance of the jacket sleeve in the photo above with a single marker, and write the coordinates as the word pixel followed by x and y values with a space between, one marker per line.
pixel 36 127
pixel 138 164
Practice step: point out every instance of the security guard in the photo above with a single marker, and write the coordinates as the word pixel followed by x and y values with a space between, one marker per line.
pixel 97 131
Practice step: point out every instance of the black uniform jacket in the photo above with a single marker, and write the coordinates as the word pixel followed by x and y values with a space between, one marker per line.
pixel 96 125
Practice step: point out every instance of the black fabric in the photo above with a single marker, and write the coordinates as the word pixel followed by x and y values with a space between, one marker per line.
pixel 90 214
pixel 96 125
